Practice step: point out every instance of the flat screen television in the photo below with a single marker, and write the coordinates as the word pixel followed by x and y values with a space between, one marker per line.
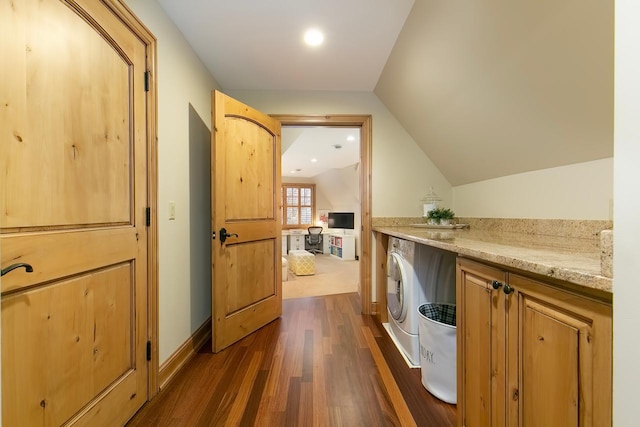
pixel 341 220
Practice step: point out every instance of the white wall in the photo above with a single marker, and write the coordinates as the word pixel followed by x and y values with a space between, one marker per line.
pixel 579 191
pixel 402 173
pixel 626 240
pixel 184 291
pixel 342 187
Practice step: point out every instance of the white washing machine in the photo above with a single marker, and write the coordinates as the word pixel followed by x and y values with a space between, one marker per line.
pixel 404 295
pixel 416 274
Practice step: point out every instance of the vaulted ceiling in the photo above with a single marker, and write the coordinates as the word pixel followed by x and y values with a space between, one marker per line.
pixel 487 88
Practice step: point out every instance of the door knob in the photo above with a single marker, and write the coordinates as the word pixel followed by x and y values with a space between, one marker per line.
pixel 26 266
pixel 224 235
pixel 507 289
pixel 496 284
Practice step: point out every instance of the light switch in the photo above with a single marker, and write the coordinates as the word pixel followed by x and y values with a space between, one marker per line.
pixel 172 210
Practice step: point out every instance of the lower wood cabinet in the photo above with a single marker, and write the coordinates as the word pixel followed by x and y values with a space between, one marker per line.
pixel 530 353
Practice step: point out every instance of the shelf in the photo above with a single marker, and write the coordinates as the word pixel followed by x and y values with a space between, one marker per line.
pixel 342 246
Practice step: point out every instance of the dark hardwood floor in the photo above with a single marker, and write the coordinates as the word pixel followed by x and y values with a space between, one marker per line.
pixel 318 365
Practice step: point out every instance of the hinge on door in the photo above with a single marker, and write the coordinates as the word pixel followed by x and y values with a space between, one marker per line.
pixel 148 351
pixel 148 213
pixel 146 81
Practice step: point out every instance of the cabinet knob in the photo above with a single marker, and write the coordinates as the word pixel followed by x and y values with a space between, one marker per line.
pixel 507 289
pixel 496 284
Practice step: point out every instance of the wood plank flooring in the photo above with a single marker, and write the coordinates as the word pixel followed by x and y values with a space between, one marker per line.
pixel 312 367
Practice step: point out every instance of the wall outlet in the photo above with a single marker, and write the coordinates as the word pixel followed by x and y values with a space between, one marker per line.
pixel 172 210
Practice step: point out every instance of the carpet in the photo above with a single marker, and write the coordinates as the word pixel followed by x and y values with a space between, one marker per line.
pixel 333 276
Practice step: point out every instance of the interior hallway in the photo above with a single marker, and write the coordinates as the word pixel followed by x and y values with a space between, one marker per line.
pixel 320 364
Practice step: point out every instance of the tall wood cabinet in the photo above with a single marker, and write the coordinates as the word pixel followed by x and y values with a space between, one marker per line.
pixel 529 353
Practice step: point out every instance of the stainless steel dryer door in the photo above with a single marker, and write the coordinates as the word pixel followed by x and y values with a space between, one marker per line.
pixel 396 279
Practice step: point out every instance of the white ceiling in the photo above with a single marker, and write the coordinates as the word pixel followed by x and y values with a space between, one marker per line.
pixel 302 144
pixel 258 45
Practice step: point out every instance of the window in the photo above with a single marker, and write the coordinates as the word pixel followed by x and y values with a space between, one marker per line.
pixel 298 205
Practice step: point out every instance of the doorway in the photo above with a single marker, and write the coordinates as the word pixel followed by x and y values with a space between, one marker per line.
pixel 321 162
pixel 361 123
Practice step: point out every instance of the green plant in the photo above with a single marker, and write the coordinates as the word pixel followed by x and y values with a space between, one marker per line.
pixel 439 214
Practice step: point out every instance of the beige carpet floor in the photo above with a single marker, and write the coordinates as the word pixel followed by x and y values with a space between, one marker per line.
pixel 333 276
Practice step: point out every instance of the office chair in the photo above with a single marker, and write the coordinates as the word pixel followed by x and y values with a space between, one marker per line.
pixel 314 240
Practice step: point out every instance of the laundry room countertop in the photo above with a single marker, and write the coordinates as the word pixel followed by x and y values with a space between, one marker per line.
pixel 569 259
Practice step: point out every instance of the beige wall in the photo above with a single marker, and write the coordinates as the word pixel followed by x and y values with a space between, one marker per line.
pixel 493 88
pixel 580 191
pixel 626 240
pixel 183 81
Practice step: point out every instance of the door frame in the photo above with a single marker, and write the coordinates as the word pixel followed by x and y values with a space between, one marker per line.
pixel 136 26
pixel 364 123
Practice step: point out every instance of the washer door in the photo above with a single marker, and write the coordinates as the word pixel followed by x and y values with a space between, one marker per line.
pixel 396 279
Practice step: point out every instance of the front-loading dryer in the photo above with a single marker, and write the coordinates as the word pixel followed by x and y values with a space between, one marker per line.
pixel 404 295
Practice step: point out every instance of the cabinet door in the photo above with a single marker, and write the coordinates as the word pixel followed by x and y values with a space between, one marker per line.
pixel 560 366
pixel 481 353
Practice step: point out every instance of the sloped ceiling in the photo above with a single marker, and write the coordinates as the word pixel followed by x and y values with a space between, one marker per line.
pixel 486 88
pixel 309 151
pixel 491 88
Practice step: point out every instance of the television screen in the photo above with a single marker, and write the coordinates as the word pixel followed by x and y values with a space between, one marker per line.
pixel 341 220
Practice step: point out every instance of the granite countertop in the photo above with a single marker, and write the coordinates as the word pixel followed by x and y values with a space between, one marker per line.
pixel 569 259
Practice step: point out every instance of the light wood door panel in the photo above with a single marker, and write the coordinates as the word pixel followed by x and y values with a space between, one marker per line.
pixel 550 363
pixel 250 171
pixel 482 355
pixel 81 329
pixel 247 278
pixel 73 133
pixel 250 274
pixel 561 363
pixel 83 126
pixel 476 300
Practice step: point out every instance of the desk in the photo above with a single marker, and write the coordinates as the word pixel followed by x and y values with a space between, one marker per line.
pixel 296 240
pixel 293 240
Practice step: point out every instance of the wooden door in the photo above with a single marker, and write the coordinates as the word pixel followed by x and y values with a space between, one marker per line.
pixel 247 274
pixel 73 165
pixel 560 367
pixel 480 340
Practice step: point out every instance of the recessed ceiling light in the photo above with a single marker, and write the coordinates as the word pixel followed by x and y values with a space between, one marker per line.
pixel 293 171
pixel 351 138
pixel 313 37
pixel 314 160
